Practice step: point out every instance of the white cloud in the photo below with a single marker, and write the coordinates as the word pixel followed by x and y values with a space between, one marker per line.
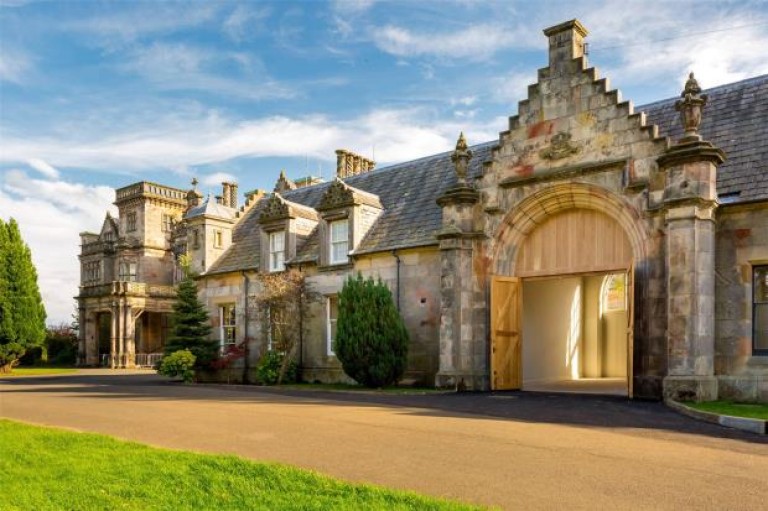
pixel 179 143
pixel 51 214
pixel 664 41
pixel 122 26
pixel 243 21
pixel 511 87
pixel 476 42
pixel 217 178
pixel 181 67
pixel 14 65
pixel 44 168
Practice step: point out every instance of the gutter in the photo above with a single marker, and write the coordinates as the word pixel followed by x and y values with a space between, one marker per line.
pixel 397 257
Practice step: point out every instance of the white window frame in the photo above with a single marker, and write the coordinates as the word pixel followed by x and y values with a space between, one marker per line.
pixel 337 240
pixel 167 222
pixel 276 253
pixel 128 271
pixel 330 322
pixel 218 238
pixel 224 309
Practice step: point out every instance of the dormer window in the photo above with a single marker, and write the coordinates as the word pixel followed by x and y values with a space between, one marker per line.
pixel 277 251
pixel 339 245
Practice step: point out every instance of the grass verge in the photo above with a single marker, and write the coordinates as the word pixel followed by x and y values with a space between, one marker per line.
pixel 748 410
pixel 39 371
pixel 44 468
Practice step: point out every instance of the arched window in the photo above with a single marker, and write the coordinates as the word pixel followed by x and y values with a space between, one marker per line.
pixel 613 295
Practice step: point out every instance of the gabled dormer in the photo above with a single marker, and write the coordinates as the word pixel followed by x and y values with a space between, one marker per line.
pixel 285 225
pixel 109 229
pixel 347 214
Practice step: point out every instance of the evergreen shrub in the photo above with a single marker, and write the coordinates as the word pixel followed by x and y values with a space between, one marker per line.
pixel 191 326
pixel 179 363
pixel 371 339
pixel 268 370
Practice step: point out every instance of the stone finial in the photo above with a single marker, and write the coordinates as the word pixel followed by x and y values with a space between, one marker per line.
pixel 284 184
pixel 690 108
pixel 460 159
pixel 193 195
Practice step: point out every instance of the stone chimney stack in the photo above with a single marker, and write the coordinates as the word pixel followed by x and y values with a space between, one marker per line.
pixel 233 195
pixel 224 194
pixel 351 164
pixel 566 42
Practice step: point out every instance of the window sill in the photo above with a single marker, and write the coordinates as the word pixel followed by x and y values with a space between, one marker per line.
pixel 349 265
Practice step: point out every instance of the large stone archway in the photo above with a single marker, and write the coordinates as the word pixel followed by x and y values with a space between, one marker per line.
pixel 536 209
pixel 566 229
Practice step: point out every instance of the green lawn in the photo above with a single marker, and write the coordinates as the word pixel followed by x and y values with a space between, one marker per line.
pixel 749 410
pixel 38 371
pixel 44 468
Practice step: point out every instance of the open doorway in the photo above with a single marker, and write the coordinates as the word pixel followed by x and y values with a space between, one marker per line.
pixel 574 334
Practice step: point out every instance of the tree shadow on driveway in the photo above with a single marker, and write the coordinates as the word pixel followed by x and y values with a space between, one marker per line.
pixel 619 414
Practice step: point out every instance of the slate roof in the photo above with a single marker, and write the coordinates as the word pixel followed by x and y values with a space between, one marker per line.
pixel 211 208
pixel 736 120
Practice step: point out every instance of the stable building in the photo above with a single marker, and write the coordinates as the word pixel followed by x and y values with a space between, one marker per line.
pixel 593 247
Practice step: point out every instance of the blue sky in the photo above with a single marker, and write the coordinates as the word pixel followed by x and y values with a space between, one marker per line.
pixel 96 95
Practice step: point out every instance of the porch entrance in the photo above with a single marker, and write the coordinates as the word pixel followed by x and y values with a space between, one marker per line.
pixel 564 323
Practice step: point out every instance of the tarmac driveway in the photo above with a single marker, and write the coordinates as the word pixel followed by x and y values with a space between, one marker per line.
pixel 515 450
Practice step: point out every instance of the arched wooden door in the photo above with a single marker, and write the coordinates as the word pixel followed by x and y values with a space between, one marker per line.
pixel 572 242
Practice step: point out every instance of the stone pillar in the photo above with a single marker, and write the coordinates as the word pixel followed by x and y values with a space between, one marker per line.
pixel 91 340
pixel 130 339
pixel 81 335
pixel 113 345
pixel 120 315
pixel 462 364
pixel 690 200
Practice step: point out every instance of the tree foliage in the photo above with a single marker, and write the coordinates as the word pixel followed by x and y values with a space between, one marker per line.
pixel 282 307
pixel 22 314
pixel 179 363
pixel 371 339
pixel 191 326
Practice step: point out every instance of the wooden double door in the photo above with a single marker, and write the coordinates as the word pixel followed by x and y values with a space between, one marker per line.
pixel 506 337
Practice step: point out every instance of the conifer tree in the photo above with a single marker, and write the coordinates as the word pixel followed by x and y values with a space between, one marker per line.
pixel 191 325
pixel 371 338
pixel 22 314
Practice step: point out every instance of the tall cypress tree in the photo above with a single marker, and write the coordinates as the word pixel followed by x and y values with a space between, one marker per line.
pixel 22 314
pixel 191 326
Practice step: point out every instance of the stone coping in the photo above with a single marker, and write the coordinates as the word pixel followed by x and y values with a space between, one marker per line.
pixel 759 426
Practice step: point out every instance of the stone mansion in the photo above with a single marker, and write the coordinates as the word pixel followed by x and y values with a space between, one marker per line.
pixel 592 246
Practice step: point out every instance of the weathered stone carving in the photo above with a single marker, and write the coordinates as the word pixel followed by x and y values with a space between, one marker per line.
pixel 275 208
pixel 690 108
pixel 284 184
pixel 337 196
pixel 460 159
pixel 560 147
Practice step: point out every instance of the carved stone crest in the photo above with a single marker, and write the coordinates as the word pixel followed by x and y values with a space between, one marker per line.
pixel 338 195
pixel 559 147
pixel 275 208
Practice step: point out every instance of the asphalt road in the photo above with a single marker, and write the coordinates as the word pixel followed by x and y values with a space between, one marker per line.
pixel 513 450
